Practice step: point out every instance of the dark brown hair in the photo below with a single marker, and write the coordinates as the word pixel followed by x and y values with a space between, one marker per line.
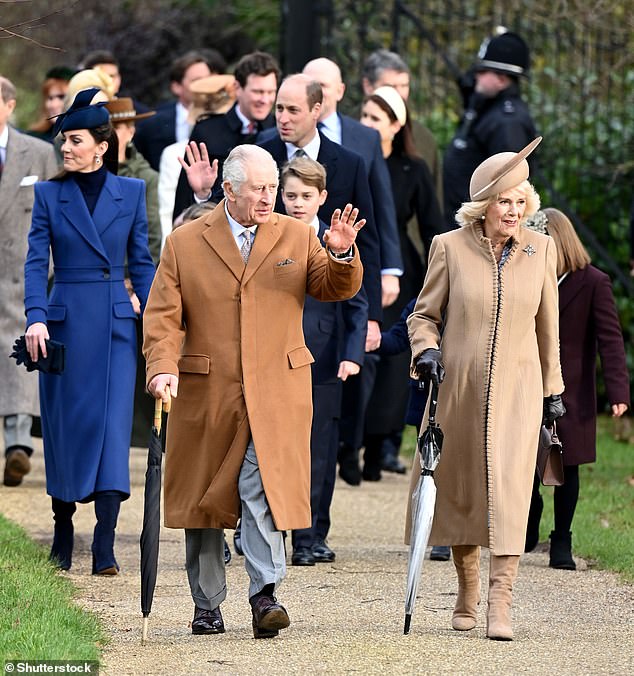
pixel 403 143
pixel 110 158
pixel 256 63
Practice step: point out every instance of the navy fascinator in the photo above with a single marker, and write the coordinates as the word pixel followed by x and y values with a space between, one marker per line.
pixel 83 114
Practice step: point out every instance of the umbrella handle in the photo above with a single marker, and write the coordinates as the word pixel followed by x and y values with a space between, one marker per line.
pixel 159 407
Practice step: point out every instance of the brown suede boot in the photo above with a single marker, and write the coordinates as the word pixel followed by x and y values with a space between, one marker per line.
pixel 466 558
pixel 502 574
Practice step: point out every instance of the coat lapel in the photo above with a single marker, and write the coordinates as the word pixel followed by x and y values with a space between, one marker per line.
pixel 73 207
pixel 108 204
pixel 328 158
pixel 219 237
pixel 266 236
pixel 570 287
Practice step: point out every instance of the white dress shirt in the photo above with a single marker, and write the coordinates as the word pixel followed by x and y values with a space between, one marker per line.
pixel 237 229
pixel 311 148
pixel 4 140
pixel 183 129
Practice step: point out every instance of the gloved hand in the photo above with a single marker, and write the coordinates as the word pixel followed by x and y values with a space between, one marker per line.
pixel 429 366
pixel 553 408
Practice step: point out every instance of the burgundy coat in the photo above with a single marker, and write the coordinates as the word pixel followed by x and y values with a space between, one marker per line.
pixel 588 321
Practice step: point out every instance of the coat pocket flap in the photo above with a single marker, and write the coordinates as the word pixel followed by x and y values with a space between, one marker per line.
pixel 194 363
pixel 124 310
pixel 56 313
pixel 300 356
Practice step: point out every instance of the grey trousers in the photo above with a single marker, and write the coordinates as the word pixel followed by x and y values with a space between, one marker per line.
pixel 17 431
pixel 262 543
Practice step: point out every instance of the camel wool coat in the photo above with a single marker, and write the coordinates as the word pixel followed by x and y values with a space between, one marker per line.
pixel 233 336
pixel 500 349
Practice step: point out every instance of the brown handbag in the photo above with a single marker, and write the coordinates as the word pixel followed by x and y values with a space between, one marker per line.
pixel 550 464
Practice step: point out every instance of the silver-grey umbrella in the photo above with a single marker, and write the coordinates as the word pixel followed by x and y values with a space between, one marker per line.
pixel 423 504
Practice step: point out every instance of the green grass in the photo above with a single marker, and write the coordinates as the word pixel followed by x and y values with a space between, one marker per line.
pixel 603 527
pixel 38 617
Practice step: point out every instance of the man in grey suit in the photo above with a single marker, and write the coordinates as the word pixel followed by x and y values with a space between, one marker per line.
pixel 24 160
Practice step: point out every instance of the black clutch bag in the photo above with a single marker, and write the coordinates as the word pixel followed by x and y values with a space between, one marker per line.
pixel 550 464
pixel 53 362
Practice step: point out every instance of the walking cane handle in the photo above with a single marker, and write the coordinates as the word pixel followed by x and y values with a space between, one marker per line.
pixel 159 407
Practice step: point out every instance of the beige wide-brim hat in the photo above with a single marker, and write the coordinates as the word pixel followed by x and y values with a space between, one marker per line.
pixel 501 172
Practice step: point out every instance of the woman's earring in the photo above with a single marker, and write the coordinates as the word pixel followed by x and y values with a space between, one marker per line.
pixel 97 160
pixel 482 217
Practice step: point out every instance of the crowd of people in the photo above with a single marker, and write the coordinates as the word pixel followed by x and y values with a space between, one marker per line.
pixel 258 244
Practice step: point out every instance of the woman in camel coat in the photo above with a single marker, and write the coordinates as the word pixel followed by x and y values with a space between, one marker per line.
pixel 491 293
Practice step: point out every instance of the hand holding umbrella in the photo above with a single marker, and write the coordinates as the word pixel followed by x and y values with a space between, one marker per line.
pixel 423 503
pixel 152 514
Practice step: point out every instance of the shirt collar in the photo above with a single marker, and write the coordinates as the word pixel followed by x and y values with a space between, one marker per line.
pixel 331 127
pixel 237 228
pixel 246 122
pixel 4 136
pixel 315 224
pixel 311 148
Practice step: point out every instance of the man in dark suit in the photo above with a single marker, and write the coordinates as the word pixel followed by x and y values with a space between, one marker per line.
pixel 257 76
pixel 297 109
pixel 170 122
pixel 350 133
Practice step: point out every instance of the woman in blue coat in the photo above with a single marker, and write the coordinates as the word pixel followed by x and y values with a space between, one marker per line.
pixel 91 220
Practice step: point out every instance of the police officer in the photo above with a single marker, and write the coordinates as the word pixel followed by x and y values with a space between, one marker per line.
pixel 495 120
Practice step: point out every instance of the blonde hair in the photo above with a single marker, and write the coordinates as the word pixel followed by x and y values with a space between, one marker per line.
pixel 571 254
pixel 307 171
pixel 471 213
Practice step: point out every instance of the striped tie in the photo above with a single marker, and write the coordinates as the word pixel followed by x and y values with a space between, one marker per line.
pixel 245 250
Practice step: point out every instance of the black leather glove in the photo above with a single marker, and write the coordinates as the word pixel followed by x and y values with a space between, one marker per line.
pixel 553 408
pixel 429 366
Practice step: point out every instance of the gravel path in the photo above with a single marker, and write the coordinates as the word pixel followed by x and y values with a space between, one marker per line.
pixel 346 617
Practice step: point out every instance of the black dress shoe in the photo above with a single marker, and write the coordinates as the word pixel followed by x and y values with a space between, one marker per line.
pixel 322 552
pixel 391 463
pixel 371 473
pixel 348 459
pixel 227 553
pixel 303 556
pixel 268 617
pixel 207 621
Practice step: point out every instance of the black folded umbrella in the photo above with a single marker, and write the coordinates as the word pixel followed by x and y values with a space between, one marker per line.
pixel 151 516
pixel 54 361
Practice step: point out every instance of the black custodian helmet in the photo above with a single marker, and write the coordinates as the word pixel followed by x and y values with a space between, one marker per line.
pixel 505 53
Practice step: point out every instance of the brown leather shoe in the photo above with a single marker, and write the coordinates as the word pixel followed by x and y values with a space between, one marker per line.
pixel 16 467
pixel 208 621
pixel 268 617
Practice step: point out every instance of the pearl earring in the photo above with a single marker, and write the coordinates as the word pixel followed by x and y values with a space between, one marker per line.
pixel 97 160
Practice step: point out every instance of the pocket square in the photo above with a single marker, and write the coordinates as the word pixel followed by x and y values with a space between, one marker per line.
pixel 54 361
pixel 28 180
pixel 286 261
